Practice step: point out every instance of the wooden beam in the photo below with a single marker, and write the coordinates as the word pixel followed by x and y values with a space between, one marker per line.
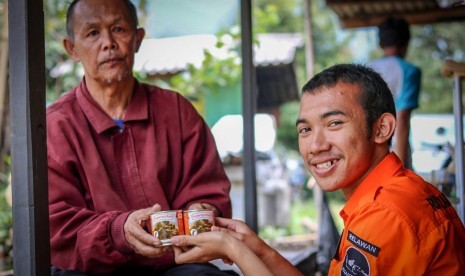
pixel 31 239
pixel 309 53
pixel 249 105
pixel 368 13
pixel 414 18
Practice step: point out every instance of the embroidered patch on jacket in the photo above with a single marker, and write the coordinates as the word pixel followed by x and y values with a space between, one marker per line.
pixel 362 244
pixel 355 263
pixel 438 202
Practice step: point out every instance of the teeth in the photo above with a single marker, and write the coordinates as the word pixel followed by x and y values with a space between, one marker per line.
pixel 324 165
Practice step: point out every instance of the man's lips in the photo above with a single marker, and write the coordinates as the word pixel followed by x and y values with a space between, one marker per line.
pixel 324 164
pixel 112 60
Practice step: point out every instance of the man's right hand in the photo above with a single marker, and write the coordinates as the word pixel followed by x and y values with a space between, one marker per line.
pixel 239 230
pixel 142 242
pixel 270 257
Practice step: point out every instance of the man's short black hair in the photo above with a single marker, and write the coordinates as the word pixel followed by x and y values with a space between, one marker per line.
pixel 69 16
pixel 394 32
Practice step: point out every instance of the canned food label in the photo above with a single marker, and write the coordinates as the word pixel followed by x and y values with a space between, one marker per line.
pixel 198 221
pixel 166 224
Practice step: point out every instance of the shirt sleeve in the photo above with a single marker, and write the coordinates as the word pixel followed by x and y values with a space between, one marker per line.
pixel 204 179
pixel 409 96
pixel 79 237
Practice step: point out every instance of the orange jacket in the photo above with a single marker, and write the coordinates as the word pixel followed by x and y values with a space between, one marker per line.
pixel 397 224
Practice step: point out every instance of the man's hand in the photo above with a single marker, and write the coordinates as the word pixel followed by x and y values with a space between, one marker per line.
pixel 204 206
pixel 203 247
pixel 142 242
pixel 239 230
pixel 268 256
pixel 208 246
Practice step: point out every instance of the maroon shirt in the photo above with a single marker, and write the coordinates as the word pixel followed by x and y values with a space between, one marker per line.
pixel 98 173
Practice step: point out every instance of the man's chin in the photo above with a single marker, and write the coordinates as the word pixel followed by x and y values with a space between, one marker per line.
pixel 117 78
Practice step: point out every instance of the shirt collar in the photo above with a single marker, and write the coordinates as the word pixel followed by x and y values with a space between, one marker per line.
pixel 366 191
pixel 100 121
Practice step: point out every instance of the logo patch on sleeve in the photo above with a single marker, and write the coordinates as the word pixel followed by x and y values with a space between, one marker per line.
pixel 362 244
pixel 355 263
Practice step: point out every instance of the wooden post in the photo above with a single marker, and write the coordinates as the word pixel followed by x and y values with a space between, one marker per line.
pixel 249 103
pixel 456 70
pixel 31 239
pixel 309 56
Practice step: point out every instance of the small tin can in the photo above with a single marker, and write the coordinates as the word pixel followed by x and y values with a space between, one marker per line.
pixel 198 221
pixel 166 224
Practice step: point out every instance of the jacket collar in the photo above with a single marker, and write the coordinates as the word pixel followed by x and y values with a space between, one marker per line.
pixel 100 121
pixel 367 190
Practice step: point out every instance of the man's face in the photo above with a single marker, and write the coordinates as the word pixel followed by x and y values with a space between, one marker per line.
pixel 104 41
pixel 333 138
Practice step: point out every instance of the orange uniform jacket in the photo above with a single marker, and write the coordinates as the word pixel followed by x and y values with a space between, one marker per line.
pixel 397 224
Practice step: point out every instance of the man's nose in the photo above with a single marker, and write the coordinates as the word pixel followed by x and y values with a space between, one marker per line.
pixel 109 41
pixel 318 142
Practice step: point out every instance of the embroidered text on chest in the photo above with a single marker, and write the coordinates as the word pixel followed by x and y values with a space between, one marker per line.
pixel 362 244
pixel 438 202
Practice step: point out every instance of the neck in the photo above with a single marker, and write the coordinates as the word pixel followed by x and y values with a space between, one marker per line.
pixel 113 98
pixel 394 51
pixel 381 151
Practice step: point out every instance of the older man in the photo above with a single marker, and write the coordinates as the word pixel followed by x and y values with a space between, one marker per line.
pixel 119 150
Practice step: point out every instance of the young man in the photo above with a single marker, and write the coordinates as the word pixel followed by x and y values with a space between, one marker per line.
pixel 394 222
pixel 402 77
pixel 119 150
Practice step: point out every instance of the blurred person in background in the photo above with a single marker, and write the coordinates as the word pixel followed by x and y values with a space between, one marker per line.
pixel 403 79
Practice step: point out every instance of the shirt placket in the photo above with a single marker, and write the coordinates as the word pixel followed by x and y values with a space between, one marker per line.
pixel 128 169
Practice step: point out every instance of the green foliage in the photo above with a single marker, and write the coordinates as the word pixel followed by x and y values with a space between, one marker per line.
pixel 214 72
pixel 300 210
pixel 6 221
pixel 286 132
pixel 277 16
pixel 304 210
pixel 431 45
pixel 6 225
pixel 2 12
pixel 329 46
pixel 55 54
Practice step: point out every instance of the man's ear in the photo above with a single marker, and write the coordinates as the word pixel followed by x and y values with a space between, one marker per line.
pixel 68 44
pixel 139 37
pixel 384 128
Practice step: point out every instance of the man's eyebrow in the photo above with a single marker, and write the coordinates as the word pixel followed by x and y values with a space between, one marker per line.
pixel 332 113
pixel 93 24
pixel 322 116
pixel 299 121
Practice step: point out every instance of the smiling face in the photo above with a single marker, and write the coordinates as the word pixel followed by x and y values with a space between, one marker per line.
pixel 333 138
pixel 104 40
